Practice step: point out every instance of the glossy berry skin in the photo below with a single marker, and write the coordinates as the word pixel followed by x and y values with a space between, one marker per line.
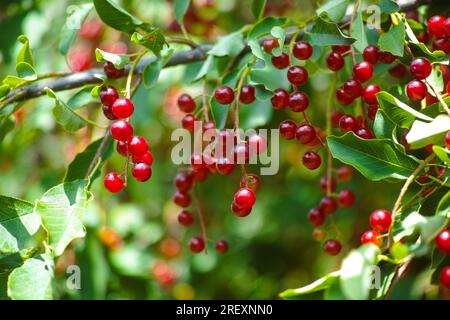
pixel 370 54
pixel 447 140
pixel 364 133
pixel 121 130
pixel 108 95
pixel 335 62
pixel 221 246
pixel 341 49
pixel 380 220
pixel 443 241
pixel 281 62
pixel 444 277
pixel 182 199
pixel 316 217
pixel 302 50
pixel 342 97
pixel 346 198
pixel 298 101
pixel 145 158
pixel 280 99
pixel 328 205
pixel 247 94
pixel 122 108
pixel 436 26
pixel 297 75
pixel 113 182
pixel 224 95
pixel 269 45
pixel 287 129
pixel 371 236
pixel 363 71
pixel 420 68
pixel 442 44
pixel 353 88
pixel 386 57
pixel 188 122
pixel 122 148
pixel 137 146
pixel 447 27
pixel 196 245
pixel 244 198
pixel 305 133
pixel 398 71
pixel 416 90
pixel 335 117
pixel 348 123
pixel 107 112
pixel 111 71
pixel 240 212
pixel 186 103
pixel 225 166
pixel 183 181
pixel 185 218
pixel 324 184
pixel 332 247
pixel 369 94
pixel 141 172
pixel 344 174
pixel 372 111
pixel 311 160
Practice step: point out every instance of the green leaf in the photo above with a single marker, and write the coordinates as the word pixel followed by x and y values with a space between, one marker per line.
pixel 13 81
pixel 206 67
pixel 4 90
pixel 359 33
pixel 154 40
pixel 118 60
pixel 436 80
pixel 399 251
pixel 427 226
pixel 264 26
pixel 61 209
pixel 78 168
pixel 423 133
pixel 6 125
pixel 419 49
pixel 258 8
pixel 269 76
pixel 393 40
pixel 74 20
pixel 32 281
pixel 26 71
pixel 118 18
pixel 318 285
pixel 324 33
pixel 335 9
pixel 82 98
pixel 356 271
pixel 230 45
pixel 219 113
pixel 388 6
pixel 383 127
pixel 376 159
pixel 443 209
pixel 24 54
pixel 279 34
pixel 180 7
pixel 255 114
pixel 442 154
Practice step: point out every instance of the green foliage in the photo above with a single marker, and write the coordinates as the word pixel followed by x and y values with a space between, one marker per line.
pixel 118 60
pixel 70 29
pixel 258 8
pixel 393 40
pixel 180 8
pixel 334 9
pixel 325 33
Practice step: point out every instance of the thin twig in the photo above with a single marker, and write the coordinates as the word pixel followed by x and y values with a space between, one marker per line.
pixel 200 217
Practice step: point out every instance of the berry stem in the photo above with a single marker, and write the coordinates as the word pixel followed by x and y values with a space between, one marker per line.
pixel 328 131
pixel 201 218
pixel 130 74
pixel 205 103
pixel 238 90
pixel 350 28
pixel 438 96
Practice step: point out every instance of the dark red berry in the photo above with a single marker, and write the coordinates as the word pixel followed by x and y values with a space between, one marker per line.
pixel 348 123
pixel 225 166
pixel 302 50
pixel 280 99
pixel 316 217
pixel 436 26
pixel 324 184
pixel 344 174
pixel 332 247
pixel 328 205
pixel 122 108
pixel 363 71
pixel 447 140
pixel 364 133
pixel 182 199
pixel 270 44
pixel 420 68
pixel 240 212
pixel 196 245
pixel 371 236
pixel 443 241
pixel 141 172
pixel 298 101
pixel 244 198
pixel 353 88
pixel 369 93
pixel 416 90
pixel 380 220
pixel 111 71
pixel 122 148
pixel 444 277
pixel 201 174
pixel 287 129
pixel 224 95
pixel 197 161
pixel 113 182
pixel 297 75
pixel 447 27
pixel 335 117
pixel 370 54
pixel 311 160
pixel 185 218
pixel 121 130
pixel 183 181
pixel 372 111
pixel 281 62
pixel 221 246
pixel 442 44
pixel 305 133
pixel 335 62
pixel 386 57
pixel 398 71
pixel 341 49
pixel 186 103
pixel 145 158
pixel 137 146
pixel 250 181
pixel 247 94
pixel 346 198
pixel 188 122
pixel 108 95
pixel 107 112
pixel 342 97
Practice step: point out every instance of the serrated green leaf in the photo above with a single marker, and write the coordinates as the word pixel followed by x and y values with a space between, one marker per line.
pixel 219 113
pixel 388 6
pixel 229 45
pixel 258 7
pixel 325 33
pixel 334 9
pixel 264 26
pixel 393 40
pixel 423 133
pixel 74 20
pixel 279 34
pixel 64 115
pixel 318 285
pixel 154 40
pixel 118 60
pixel 82 98
pixel 359 33
pixel 180 7
pixel 269 76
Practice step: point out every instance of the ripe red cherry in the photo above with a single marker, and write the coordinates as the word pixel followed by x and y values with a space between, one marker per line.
pixel 332 247
pixel 443 241
pixel 186 103
pixel 335 62
pixel 122 108
pixel 108 95
pixel 280 99
pixel 346 198
pixel 183 181
pixel 244 198
pixel 225 166
pixel 328 205
pixel 370 54
pixel 363 71
pixel 107 112
pixel 444 277
pixel 311 160
pixel 344 174
pixel 416 90
pixel 221 246
pixel 369 93
pixel 122 148
pixel 141 172
pixel 113 182
pixel 200 175
pixel 185 218
pixel 353 88
pixel 302 50
pixel 240 212
pixel 297 75
pixel 257 144
pixel 182 199
pixel 335 117
pixel 372 111
pixel 298 101
pixel 436 26
pixel 420 68
pixel 386 57
pixel 270 44
pixel 121 130
pixel 342 97
pixel 380 220
pixel 447 27
pixel 371 236
pixel 145 158
pixel 442 44
pixel 188 122
pixel 305 133
pixel 247 94
pixel 287 129
pixel 364 133
pixel 111 71
pixel 197 161
pixel 281 62
pixel 251 181
pixel 137 146
pixel 341 49
pixel 196 245
pixel 348 123
pixel 398 71
pixel 447 140
pixel 224 95
pixel 324 184
pixel 208 125
pixel 316 217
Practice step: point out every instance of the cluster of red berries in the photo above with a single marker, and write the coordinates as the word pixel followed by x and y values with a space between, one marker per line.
pixel 380 221
pixel 128 145
pixel 443 244
pixel 439 28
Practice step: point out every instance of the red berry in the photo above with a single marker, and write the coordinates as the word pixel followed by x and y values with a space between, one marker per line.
pixel 372 111
pixel 344 174
pixel 224 95
pixel 197 161
pixel 111 71
pixel 353 88
pixel 328 205
pixel 185 218
pixel 348 123
pixel 420 68
pixel 335 62
pixel 122 108
pixel 370 54
pixel 280 99
pixel 447 27
pixel 363 71
pixel 196 245
pixel 113 182
pixel 371 236
pixel 240 212
pixel 342 97
pixel 107 112
pixel 183 181
pixel 247 94
pixel 341 49
pixel 137 146
pixel 369 93
pixel 447 140
pixel 436 26
pixel 398 71
pixel 302 50
pixel 305 133
pixel 257 144
pixel 221 246
pixel 250 181
pixel 311 160
pixel 298 101
pixel 443 241
pixel 270 44
pixel 122 148
pixel 386 57
pixel 225 166
pixel 442 44
pixel 444 277
pixel 297 75
pixel 332 247
pixel 346 198
pixel 200 175
pixel 380 220
pixel 316 217
pixel 186 103
pixel 188 122
pixel 141 172
pixel 416 90
pixel 244 198
pixel 335 117
pixel 182 199
pixel 281 62
pixel 287 129
pixel 108 95
pixel 364 133
pixel 121 130
pixel 145 158
pixel 324 184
